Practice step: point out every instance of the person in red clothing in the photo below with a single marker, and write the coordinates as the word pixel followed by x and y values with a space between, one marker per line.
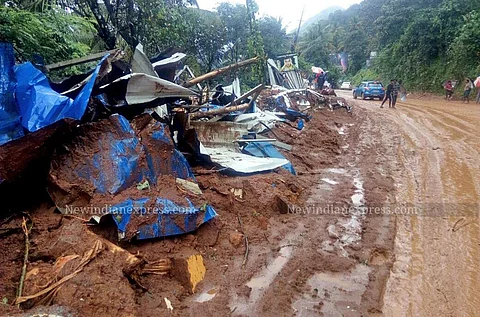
pixel 448 90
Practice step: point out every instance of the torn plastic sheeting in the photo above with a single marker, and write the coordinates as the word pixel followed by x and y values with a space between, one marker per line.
pixel 175 164
pixel 266 149
pixel 40 105
pixel 171 219
pixel 297 114
pixel 10 126
pixel 239 162
pixel 142 88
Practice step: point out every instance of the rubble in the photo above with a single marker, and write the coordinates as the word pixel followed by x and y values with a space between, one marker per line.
pixel 132 148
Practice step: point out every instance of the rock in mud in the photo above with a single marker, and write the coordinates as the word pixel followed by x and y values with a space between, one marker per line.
pixel 236 239
pixel 189 271
pixel 281 205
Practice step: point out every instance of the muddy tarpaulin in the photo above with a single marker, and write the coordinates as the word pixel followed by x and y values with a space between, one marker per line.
pixel 10 127
pixel 105 162
pixel 169 218
pixel 40 105
pixel 107 157
pixel 266 149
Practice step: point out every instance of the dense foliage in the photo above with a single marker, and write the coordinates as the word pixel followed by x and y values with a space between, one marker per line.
pixel 422 42
pixel 69 29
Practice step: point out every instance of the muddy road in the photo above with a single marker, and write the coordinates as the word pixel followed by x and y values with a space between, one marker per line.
pixel 435 272
pixel 382 220
pixel 412 249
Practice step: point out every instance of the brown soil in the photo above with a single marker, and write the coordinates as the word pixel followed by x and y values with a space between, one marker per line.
pixel 103 287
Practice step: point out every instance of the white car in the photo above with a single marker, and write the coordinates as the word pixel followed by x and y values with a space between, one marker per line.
pixel 346 85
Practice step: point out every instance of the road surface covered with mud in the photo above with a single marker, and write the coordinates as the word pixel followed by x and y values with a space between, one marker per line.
pixel 382 219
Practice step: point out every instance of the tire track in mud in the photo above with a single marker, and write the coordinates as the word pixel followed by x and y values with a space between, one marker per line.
pixel 435 272
pixel 334 265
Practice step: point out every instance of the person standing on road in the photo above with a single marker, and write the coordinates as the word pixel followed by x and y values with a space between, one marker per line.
pixel 477 85
pixel 388 95
pixel 448 90
pixel 395 90
pixel 467 90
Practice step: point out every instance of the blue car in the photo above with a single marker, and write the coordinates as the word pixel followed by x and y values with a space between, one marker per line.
pixel 369 89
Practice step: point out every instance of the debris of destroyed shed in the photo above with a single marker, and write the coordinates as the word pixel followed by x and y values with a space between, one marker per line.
pixel 40 106
pixel 142 88
pixel 291 79
pixel 102 166
pixel 266 149
pixel 84 261
pixel 218 142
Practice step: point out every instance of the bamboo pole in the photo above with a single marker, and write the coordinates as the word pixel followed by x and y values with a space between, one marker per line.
pixel 220 71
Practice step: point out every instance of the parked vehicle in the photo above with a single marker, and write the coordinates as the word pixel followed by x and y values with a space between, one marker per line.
pixel 369 89
pixel 346 85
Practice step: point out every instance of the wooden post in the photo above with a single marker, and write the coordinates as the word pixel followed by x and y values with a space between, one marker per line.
pixel 79 60
pixel 220 71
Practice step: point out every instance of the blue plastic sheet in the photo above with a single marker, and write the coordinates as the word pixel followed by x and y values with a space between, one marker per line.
pixel 40 105
pixel 117 162
pixel 176 164
pixel 297 114
pixel 10 127
pixel 266 149
pixel 170 218
pixel 121 161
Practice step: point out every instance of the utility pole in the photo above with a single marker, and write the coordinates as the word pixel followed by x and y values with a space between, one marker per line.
pixel 295 39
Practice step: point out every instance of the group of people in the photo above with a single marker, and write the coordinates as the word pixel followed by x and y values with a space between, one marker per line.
pixel 467 89
pixel 319 79
pixel 394 88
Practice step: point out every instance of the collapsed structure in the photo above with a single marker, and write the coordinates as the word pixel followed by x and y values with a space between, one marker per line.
pixel 120 141
pixel 134 129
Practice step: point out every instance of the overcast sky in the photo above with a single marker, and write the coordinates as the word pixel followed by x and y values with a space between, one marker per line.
pixel 290 11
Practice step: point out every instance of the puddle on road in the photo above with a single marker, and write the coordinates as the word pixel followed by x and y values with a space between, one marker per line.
pixel 329 181
pixel 347 231
pixel 260 283
pixel 334 294
pixel 337 170
pixel 207 296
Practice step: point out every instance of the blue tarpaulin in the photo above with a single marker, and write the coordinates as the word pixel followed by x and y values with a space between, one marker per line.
pixel 121 161
pixel 10 127
pixel 266 149
pixel 40 105
pixel 171 219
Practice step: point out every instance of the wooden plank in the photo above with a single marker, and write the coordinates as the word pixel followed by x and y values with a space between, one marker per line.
pixel 258 89
pixel 254 140
pixel 215 112
pixel 220 71
pixel 79 60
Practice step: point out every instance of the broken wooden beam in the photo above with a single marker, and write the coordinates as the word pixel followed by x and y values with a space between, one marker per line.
pixel 225 110
pixel 220 71
pixel 253 91
pixel 254 140
pixel 80 60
